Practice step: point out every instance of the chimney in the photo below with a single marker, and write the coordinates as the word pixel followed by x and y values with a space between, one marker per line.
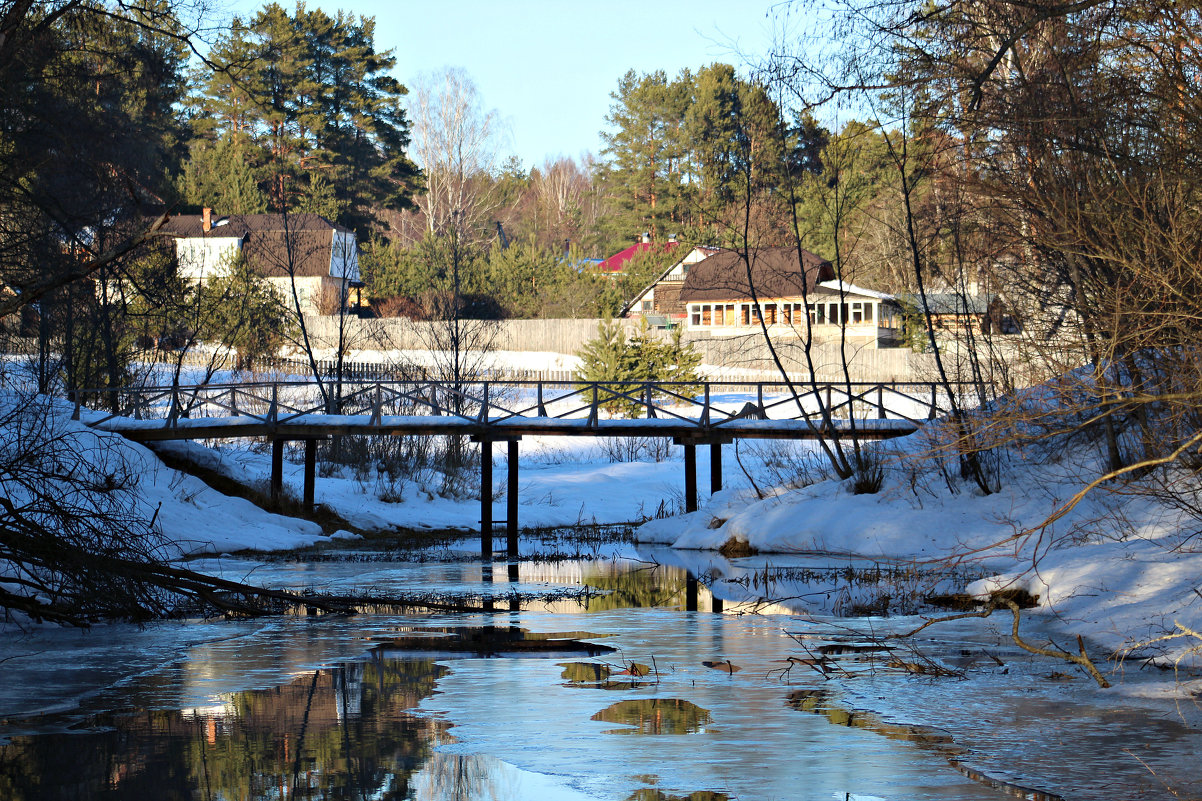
pixel 646 236
pixel 206 219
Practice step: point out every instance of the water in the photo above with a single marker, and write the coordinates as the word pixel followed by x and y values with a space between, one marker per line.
pixel 524 705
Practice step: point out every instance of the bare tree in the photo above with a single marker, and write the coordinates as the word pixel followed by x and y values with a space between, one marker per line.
pixel 455 142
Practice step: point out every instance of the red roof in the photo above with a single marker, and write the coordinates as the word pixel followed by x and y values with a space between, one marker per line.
pixel 617 262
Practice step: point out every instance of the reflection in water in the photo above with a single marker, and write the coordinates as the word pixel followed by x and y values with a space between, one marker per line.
pixel 595 675
pixel 345 732
pixel 656 716
pixel 629 586
pixel 585 672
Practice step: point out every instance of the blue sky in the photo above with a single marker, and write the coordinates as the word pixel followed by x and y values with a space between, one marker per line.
pixel 548 66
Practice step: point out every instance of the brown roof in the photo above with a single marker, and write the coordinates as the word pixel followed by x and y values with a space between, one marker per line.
pixel 269 242
pixel 776 273
pixel 190 225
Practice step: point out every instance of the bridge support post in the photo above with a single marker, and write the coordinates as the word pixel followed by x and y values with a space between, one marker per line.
pixel 277 469
pixel 310 472
pixel 511 502
pixel 715 467
pixel 690 477
pixel 486 499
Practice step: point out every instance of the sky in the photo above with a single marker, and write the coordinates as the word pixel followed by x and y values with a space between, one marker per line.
pixel 548 66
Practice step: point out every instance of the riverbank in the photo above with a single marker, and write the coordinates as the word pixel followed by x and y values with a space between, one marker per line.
pixel 1118 569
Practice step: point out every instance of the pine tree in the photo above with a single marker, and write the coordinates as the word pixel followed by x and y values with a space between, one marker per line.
pixel 321 118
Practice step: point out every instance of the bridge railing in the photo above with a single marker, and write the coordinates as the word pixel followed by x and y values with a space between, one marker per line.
pixel 709 404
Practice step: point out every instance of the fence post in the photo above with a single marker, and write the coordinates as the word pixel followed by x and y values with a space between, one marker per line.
pixel 592 412
pixel 542 410
pixel 273 410
pixel 880 402
pixel 647 401
pixel 483 417
pixel 705 410
pixel 377 411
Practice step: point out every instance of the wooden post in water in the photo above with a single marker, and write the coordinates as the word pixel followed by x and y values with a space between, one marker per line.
pixel 715 467
pixel 486 499
pixel 277 469
pixel 511 501
pixel 310 472
pixel 690 477
pixel 690 593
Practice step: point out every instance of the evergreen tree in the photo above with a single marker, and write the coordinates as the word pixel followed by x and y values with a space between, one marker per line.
pixel 312 100
pixel 644 175
pixel 645 357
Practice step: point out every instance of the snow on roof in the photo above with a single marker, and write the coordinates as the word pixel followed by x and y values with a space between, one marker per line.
pixel 852 289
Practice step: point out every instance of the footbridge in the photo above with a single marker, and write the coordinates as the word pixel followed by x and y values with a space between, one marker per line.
pixel 702 413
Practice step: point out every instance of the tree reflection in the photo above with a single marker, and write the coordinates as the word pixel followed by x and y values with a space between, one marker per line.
pixel 656 716
pixel 342 733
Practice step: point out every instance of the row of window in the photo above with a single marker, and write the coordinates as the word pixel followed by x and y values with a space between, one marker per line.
pixel 735 314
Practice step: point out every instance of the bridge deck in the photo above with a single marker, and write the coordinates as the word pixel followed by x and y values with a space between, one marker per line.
pixel 324 425
pixel 697 411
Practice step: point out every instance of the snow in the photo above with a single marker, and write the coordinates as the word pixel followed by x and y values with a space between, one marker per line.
pixel 192 517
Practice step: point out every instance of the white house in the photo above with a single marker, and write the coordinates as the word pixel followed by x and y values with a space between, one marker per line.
pixel 791 292
pixel 320 257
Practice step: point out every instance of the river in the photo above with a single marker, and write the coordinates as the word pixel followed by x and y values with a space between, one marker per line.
pixel 591 679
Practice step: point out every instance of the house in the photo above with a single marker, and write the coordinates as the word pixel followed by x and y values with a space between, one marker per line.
pixel 795 292
pixel 320 257
pixel 659 302
pixel 615 265
pixel 956 313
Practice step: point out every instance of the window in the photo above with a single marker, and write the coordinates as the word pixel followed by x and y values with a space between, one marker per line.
pixel 755 314
pixel 647 305
pixel 744 314
pixel 857 312
pixel 694 315
pixel 707 317
pixel 770 314
pixel 719 319
pixel 818 314
pixel 832 313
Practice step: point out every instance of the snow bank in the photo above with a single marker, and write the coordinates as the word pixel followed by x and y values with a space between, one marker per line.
pixel 1118 568
pixel 192 517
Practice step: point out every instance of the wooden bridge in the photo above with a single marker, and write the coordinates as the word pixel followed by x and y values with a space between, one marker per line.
pixel 691 414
